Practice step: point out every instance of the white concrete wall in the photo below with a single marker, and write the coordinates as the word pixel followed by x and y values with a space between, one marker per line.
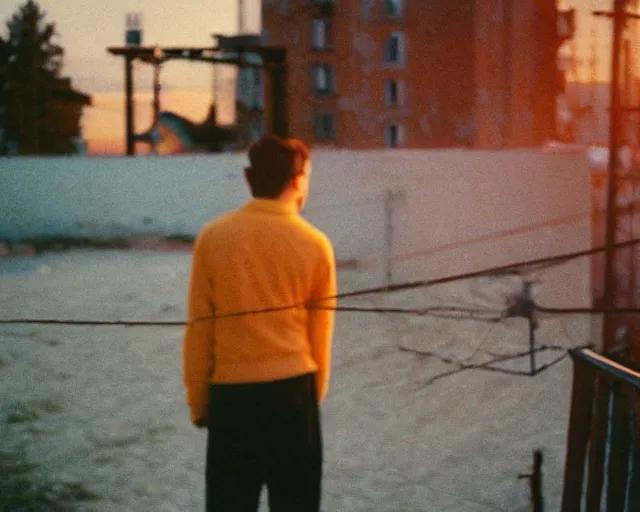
pixel 108 197
pixel 462 210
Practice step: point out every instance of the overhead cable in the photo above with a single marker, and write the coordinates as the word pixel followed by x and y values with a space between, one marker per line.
pixel 502 269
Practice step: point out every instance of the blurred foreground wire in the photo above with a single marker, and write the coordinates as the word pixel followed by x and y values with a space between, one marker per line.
pixel 463 313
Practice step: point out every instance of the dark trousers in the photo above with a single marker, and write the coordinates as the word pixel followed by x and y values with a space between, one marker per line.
pixel 266 433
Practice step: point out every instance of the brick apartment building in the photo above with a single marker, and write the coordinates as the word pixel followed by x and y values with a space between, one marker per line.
pixel 368 74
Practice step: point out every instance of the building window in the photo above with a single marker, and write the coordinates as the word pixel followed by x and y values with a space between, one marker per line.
pixel 323 78
pixel 394 93
pixel 394 8
pixel 324 126
pixel 394 135
pixel 320 33
pixel 394 48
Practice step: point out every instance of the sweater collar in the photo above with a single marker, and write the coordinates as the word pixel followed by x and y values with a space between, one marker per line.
pixel 271 206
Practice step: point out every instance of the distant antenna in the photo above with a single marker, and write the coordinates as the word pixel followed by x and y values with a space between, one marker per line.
pixel 242 22
pixel 133 34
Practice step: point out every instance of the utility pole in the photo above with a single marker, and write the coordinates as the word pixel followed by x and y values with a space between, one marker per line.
pixel 158 57
pixel 619 17
pixel 391 200
pixel 129 108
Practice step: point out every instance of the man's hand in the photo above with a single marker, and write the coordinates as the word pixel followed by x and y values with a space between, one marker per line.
pixel 201 423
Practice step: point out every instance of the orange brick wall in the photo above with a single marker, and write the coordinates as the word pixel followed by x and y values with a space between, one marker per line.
pixel 515 72
pixel 472 72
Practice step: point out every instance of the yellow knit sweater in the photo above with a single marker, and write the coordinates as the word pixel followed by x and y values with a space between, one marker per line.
pixel 261 256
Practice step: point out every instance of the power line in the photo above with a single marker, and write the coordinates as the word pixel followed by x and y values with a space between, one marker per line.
pixel 476 314
pixel 495 235
pixel 481 344
pixel 587 311
pixel 433 311
pixel 436 311
pixel 123 323
pixel 503 269
pixel 492 236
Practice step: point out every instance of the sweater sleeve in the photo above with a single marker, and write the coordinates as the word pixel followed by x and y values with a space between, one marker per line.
pixel 198 356
pixel 322 318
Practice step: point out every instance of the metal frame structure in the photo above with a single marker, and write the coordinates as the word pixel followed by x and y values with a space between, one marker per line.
pixel 273 62
pixel 602 453
pixel 619 16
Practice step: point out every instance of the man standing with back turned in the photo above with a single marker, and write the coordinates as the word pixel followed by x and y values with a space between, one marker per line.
pixel 255 375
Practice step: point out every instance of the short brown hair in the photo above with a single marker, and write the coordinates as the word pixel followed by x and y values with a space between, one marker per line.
pixel 274 163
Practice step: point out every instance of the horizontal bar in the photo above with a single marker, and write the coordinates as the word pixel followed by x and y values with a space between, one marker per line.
pixel 196 56
pixel 611 14
pixel 268 52
pixel 616 370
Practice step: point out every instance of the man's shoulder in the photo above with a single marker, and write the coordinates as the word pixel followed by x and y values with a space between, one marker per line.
pixel 213 229
pixel 318 236
pixel 219 222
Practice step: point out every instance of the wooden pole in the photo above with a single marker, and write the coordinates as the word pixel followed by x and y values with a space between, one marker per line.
pixel 157 86
pixel 532 346
pixel 388 213
pixel 608 341
pixel 536 483
pixel 391 199
pixel 128 73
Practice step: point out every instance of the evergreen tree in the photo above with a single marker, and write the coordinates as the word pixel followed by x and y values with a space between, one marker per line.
pixel 32 61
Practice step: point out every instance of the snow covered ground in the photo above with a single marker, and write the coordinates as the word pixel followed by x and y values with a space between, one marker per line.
pixel 106 404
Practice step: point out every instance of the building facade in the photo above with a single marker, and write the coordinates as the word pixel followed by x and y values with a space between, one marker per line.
pixel 366 74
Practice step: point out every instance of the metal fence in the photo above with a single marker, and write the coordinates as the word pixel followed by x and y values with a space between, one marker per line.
pixel 602 467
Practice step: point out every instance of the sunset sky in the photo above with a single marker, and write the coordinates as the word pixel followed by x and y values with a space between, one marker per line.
pixel 87 27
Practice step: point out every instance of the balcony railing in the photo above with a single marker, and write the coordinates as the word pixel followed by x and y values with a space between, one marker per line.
pixel 602 465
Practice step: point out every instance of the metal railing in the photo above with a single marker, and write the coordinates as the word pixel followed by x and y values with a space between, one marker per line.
pixel 602 465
